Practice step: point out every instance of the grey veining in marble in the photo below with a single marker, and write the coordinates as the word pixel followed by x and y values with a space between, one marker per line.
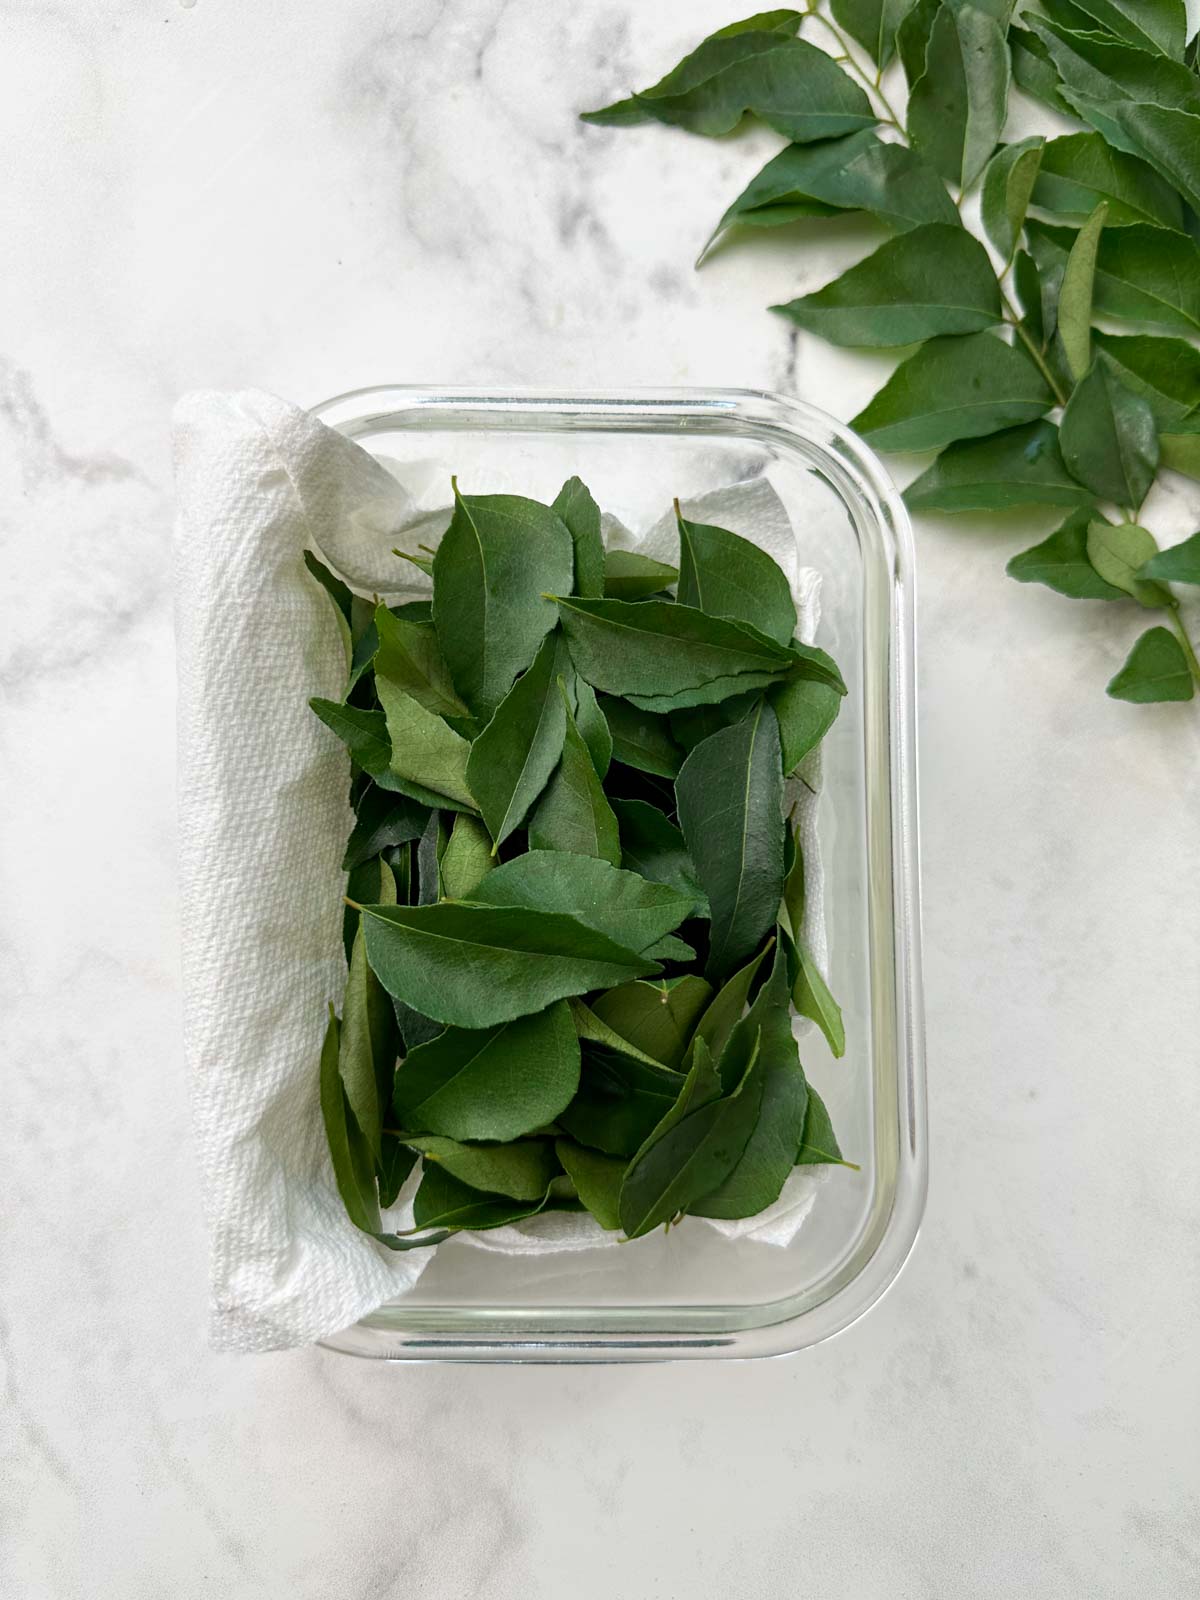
pixel 313 196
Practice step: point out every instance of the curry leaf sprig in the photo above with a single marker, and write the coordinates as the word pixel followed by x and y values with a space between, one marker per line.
pixel 1026 400
pixel 575 907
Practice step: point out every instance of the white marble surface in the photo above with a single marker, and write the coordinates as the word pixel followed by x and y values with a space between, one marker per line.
pixel 310 196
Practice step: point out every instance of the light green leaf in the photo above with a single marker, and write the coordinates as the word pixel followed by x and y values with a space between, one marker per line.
pixel 1146 274
pixel 597 1179
pixel 1020 467
pixel 1118 554
pixel 1080 170
pixel 593 726
pixel 368 1045
pixel 1179 564
pixel 724 575
pixel 932 280
pixel 426 752
pixel 594 1030
pixel 511 761
pixel 1075 297
pixel 640 739
pixel 409 656
pixel 1061 563
pixel 1108 437
pixel 811 998
pixel 657 1018
pixel 574 814
pixel 1156 670
pixel 622 905
pixel 575 508
pixel 498 559
pixel 467 858
pixel 730 801
pixel 629 575
pixel 806 711
pixel 522 1170
pixel 657 650
pixel 956 109
pixel 349 1150
pixel 954 389
pixel 491 1083
pixel 477 965
pixel 856 173
pixel 653 846
pixel 1180 447
pixel 818 1144
pixel 1164 371
pixel 713 55
pixel 1008 183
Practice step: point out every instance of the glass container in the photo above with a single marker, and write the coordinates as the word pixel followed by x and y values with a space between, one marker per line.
pixel 689 1293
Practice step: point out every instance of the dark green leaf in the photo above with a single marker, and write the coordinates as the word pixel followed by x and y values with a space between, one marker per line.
pixel 1008 183
pixel 1164 371
pixel 475 966
pixel 1156 25
pixel 367 1058
pixel 856 173
pixel 349 1150
pixel 696 723
pixel 593 726
pixel 1082 169
pixel 364 733
pixel 657 1018
pixel 467 858
pixel 1029 293
pixel 806 710
pixel 659 650
pixel 956 109
pixel 371 880
pixel 931 280
pixel 579 513
pixel 1108 437
pixel 498 559
pixel 912 38
pixel 382 820
pixel 818 1144
pixel 522 1170
pixel 653 846
pixel 730 797
pixel 692 1157
pixel 1156 670
pixel 491 1083
pixel 395 1163
pixel 628 575
pixel 1118 555
pixel 1169 139
pixel 426 752
pixel 444 1202
pixel 812 999
pixel 511 761
pixel 713 55
pixel 1034 71
pixel 792 910
pixel 725 1010
pixel 574 814
pixel 873 23
pixel 1075 301
pixel 410 657
pixel 1021 467
pixel 1143 273
pixel 341 597
pixel 624 906
pixel 597 1179
pixel 1100 77
pixel 954 389
pixel 724 575
pixel 790 84
pixel 594 1030
pixel 1061 563
pixel 640 739
pixel 1179 564
pixel 621 1101
pixel 770 1153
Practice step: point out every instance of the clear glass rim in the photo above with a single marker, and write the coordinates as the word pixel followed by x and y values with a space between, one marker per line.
pixel 648 1333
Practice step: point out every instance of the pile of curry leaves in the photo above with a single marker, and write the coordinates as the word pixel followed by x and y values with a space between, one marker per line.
pixel 573 921
pixel 1028 403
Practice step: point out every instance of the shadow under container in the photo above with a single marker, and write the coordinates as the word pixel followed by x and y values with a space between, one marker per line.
pixel 691 1293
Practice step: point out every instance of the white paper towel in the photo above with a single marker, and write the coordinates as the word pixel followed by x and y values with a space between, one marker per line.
pixel 263 822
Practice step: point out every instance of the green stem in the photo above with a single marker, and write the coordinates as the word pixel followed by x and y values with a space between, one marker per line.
pixel 1013 319
pixel 1181 634
pixel 871 85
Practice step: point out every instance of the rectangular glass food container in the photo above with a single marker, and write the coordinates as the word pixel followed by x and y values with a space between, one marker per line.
pixel 690 1293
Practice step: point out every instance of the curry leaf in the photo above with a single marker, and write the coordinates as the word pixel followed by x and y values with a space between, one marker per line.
pixel 873 23
pixel 426 751
pixel 629 575
pixel 640 739
pixel 443 1202
pixel 1164 371
pixel 1178 564
pixel 367 1056
pixel 580 515
pixel 730 796
pixel 1008 183
pixel 1143 273
pixel 597 1179
pixel 724 575
pixel 350 1151
pixel 654 846
pixel 497 560
pixel 467 858
pixel 806 711
pixel 1146 24
pixel 1157 669
pixel 409 656
pixel 511 761
pixel 621 1101
pixel 954 389
pixel 1061 563
pixel 1118 555
pixel 812 999
pixel 658 1019
pixel 931 280
pixel 1080 170
pixel 593 727
pixel 574 814
pixel 957 107
pixel 521 1169
pixel 1019 467
pixel 725 1010
pixel 818 1143
pixel 382 819
pixel 477 965
pixel 1108 437
pixel 491 1083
